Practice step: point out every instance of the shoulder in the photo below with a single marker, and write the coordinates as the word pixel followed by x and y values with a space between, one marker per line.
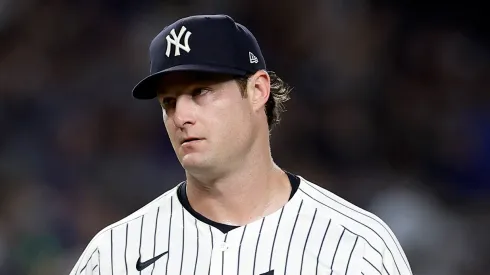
pixel 162 202
pixel 369 228
pixel 329 202
pixel 104 236
pixel 351 216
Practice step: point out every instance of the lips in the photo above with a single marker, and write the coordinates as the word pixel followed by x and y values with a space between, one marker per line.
pixel 190 139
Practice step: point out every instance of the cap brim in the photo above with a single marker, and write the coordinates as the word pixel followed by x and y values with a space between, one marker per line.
pixel 147 88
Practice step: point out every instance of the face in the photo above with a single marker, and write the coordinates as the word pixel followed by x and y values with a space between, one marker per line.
pixel 210 124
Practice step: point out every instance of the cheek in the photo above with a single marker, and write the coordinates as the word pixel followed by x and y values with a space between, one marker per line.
pixel 234 121
pixel 170 129
pixel 228 117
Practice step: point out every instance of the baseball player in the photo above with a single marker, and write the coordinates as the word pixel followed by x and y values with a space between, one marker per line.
pixel 237 212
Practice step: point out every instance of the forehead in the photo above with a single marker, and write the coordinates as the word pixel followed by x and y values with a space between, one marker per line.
pixel 179 82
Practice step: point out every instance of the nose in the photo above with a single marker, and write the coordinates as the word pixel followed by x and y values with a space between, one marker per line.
pixel 184 113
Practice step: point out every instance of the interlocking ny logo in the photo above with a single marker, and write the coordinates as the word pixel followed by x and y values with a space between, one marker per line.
pixel 175 40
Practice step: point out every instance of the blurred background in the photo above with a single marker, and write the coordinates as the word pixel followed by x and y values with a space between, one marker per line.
pixel 390 110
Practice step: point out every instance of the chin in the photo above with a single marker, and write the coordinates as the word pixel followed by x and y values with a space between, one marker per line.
pixel 192 161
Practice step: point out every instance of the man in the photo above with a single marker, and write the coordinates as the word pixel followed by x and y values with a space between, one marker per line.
pixel 237 212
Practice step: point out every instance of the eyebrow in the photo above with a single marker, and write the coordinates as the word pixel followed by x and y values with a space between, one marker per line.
pixel 198 80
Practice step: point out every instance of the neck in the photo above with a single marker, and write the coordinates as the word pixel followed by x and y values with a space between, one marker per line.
pixel 255 189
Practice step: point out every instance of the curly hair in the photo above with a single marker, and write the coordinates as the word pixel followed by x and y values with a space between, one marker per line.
pixel 274 106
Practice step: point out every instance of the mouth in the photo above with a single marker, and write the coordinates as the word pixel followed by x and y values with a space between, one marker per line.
pixel 189 140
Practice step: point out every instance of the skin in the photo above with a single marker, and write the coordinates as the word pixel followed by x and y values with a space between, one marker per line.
pixel 231 176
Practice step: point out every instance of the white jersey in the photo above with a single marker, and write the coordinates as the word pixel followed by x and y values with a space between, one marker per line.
pixel 316 232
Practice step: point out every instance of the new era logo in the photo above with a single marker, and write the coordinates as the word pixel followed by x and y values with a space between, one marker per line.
pixel 253 58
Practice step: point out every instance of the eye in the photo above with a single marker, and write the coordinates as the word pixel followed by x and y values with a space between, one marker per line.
pixel 199 91
pixel 167 102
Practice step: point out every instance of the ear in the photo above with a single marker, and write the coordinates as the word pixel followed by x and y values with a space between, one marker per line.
pixel 259 89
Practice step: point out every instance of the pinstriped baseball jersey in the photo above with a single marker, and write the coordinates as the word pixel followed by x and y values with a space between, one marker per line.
pixel 315 232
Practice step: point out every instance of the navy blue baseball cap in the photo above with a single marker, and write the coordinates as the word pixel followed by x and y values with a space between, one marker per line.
pixel 201 43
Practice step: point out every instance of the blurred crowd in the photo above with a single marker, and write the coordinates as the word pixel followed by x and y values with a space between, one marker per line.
pixel 391 114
